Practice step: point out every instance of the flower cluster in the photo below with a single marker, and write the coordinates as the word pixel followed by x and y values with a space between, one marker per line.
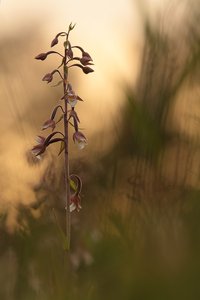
pixel 66 107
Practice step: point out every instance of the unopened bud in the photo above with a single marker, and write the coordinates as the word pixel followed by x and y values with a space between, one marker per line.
pixel 71 27
pixel 54 42
pixel 87 70
pixel 48 77
pixel 41 56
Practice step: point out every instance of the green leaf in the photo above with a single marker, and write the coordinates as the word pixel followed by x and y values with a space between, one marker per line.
pixel 62 147
pixel 72 185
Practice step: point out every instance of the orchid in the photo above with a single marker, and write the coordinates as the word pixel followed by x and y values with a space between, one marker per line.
pixel 75 199
pixel 40 147
pixel 49 124
pixel 75 203
pixel 80 139
pixel 70 98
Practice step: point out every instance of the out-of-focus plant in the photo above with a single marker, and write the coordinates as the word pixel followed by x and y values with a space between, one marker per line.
pixel 69 117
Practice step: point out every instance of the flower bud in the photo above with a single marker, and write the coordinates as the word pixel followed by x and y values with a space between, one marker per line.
pixel 71 27
pixel 86 55
pixel 48 77
pixel 86 58
pixel 87 70
pixel 41 56
pixel 85 61
pixel 54 42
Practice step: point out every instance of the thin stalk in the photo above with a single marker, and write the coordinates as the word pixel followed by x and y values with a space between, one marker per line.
pixel 67 182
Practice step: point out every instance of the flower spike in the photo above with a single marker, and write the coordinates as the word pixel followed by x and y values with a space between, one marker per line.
pixel 67 113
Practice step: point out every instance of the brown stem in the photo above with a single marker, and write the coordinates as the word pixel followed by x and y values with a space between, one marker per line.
pixel 67 182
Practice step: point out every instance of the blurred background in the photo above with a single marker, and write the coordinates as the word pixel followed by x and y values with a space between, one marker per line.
pixel 138 234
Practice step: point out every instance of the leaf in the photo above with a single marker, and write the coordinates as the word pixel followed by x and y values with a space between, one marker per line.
pixel 72 184
pixel 78 185
pixel 62 147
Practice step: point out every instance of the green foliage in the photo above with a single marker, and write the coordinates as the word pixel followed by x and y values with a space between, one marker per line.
pixel 147 253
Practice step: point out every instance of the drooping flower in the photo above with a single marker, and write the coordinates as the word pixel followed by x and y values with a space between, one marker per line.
pixel 40 147
pixel 75 203
pixel 49 76
pixel 75 199
pixel 43 142
pixel 79 139
pixel 49 124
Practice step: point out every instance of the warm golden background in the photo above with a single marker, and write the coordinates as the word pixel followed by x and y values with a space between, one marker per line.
pixel 26 30
pixel 137 236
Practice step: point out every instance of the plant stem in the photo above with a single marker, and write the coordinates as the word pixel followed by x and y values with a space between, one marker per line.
pixel 67 183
